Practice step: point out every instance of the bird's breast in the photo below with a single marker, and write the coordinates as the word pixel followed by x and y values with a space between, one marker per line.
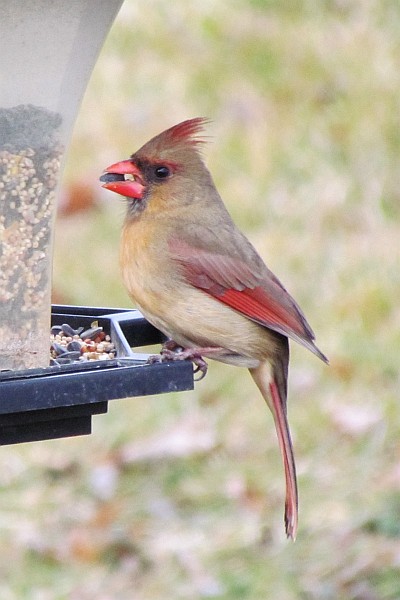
pixel 142 261
pixel 183 312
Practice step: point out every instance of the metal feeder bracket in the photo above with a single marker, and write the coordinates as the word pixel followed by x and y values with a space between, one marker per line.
pixel 59 401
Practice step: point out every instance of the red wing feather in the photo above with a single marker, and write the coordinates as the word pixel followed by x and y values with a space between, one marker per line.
pixel 260 306
pixel 249 288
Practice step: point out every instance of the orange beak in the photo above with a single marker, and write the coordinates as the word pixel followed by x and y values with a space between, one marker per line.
pixel 124 178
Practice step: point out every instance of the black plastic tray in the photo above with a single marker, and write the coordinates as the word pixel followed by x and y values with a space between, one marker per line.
pixel 59 401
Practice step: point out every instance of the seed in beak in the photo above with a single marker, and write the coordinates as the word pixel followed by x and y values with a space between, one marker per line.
pixel 107 177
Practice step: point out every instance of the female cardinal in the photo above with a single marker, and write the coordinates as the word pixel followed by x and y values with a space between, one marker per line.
pixel 198 279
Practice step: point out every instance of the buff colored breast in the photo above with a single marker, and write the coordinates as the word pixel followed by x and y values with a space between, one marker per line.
pixel 189 316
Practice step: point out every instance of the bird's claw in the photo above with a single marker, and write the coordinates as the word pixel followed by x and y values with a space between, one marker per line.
pixel 201 366
pixel 171 351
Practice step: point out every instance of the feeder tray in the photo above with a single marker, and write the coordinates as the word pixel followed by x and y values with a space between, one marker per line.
pixel 59 401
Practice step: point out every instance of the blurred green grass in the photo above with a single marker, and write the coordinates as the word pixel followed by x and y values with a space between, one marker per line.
pixel 305 149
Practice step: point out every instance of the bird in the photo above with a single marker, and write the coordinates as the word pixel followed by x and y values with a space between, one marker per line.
pixel 197 278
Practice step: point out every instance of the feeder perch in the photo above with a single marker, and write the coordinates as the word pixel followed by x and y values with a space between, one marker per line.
pixel 59 401
pixel 48 49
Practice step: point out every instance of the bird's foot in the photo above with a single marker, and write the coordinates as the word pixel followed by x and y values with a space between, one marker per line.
pixel 171 351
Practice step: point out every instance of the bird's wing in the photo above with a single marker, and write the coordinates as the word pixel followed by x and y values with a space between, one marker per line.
pixel 241 280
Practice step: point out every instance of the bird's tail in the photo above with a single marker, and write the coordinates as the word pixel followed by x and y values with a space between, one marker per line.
pixel 271 379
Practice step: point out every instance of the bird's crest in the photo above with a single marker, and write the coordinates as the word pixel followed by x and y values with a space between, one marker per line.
pixel 182 135
pixel 187 131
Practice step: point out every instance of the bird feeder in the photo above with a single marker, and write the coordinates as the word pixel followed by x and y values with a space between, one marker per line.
pixel 47 52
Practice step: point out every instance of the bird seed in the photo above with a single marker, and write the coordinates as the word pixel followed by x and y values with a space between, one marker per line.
pixel 30 156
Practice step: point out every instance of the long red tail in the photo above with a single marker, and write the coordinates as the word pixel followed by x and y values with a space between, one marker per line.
pixel 271 380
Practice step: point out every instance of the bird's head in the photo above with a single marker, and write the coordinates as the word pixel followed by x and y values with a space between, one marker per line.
pixel 165 171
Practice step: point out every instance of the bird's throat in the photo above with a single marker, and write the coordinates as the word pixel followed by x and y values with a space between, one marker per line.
pixel 135 206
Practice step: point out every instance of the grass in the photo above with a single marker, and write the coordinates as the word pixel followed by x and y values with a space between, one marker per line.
pixel 304 102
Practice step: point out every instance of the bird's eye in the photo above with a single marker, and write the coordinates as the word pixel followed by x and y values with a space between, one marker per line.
pixel 162 172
